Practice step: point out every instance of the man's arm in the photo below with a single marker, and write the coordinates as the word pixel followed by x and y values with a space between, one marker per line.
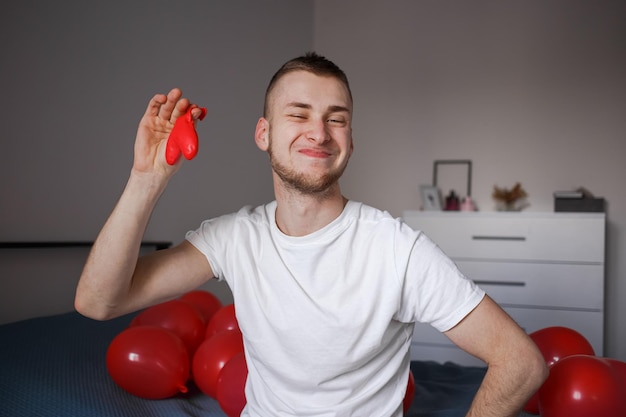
pixel 516 368
pixel 114 281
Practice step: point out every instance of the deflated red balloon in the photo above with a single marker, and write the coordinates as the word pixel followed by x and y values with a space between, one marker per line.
pixel 211 357
pixel 231 385
pixel 149 362
pixel 183 138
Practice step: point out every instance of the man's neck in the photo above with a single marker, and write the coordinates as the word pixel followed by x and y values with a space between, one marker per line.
pixel 300 214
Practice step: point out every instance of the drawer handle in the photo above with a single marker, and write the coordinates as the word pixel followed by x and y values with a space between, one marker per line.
pixel 508 238
pixel 501 283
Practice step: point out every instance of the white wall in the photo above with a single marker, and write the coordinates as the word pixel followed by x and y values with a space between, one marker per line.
pixel 75 79
pixel 530 91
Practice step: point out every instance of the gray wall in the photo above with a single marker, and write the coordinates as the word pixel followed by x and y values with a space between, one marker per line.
pixel 76 78
pixel 530 91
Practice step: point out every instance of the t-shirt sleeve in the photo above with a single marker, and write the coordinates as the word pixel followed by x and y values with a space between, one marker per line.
pixel 435 291
pixel 205 239
pixel 224 239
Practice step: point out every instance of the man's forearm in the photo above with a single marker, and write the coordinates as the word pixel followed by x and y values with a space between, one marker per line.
pixel 505 390
pixel 106 278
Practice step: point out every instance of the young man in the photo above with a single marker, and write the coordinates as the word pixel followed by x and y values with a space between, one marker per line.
pixel 326 289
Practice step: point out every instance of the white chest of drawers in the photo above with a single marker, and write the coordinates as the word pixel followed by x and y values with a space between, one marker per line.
pixel 544 269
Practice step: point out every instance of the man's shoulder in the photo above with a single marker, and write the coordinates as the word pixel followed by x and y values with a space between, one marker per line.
pixel 382 225
pixel 250 215
pixel 366 213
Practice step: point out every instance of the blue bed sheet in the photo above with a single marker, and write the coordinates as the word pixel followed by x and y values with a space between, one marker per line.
pixel 55 366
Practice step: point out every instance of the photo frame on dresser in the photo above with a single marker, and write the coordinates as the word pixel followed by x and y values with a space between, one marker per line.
pixel 431 198
pixel 453 174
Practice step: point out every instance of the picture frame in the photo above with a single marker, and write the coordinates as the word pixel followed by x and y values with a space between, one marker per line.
pixel 438 173
pixel 431 197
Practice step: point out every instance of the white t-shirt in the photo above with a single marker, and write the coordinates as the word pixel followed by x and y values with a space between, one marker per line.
pixel 327 318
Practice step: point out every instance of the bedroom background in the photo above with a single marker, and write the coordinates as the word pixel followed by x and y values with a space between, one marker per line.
pixel 531 92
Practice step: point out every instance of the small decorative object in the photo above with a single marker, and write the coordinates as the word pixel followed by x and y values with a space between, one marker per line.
pixel 453 203
pixel 467 204
pixel 510 200
pixel 431 197
pixel 578 200
pixel 447 175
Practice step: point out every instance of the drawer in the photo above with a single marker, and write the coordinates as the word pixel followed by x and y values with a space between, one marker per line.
pixel 555 285
pixel 564 237
pixel 589 324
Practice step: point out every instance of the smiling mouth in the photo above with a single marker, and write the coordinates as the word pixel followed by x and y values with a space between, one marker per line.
pixel 315 153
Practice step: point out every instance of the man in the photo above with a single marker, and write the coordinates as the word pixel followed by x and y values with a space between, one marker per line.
pixel 326 289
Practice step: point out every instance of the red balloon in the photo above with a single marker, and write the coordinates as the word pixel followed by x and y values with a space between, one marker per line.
pixel 183 137
pixel 582 386
pixel 211 357
pixel 206 302
pixel 620 368
pixel 410 393
pixel 223 319
pixel 231 385
pixel 556 343
pixel 179 317
pixel 149 362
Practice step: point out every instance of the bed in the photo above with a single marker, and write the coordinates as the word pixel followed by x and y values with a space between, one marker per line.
pixel 55 366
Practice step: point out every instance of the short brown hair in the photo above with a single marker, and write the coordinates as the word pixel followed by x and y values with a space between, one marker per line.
pixel 310 62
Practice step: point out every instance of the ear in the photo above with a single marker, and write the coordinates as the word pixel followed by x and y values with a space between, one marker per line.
pixel 261 134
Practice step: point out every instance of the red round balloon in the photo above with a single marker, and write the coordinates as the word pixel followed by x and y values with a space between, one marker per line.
pixel 410 393
pixel 231 385
pixel 149 362
pixel 206 302
pixel 179 317
pixel 582 386
pixel 211 357
pixel 556 343
pixel 620 368
pixel 223 319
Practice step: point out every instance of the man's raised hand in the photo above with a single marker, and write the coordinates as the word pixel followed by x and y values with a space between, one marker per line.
pixel 166 130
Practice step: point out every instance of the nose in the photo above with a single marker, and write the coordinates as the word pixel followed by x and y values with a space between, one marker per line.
pixel 318 132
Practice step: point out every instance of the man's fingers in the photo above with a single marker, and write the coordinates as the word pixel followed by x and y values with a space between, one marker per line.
pixel 154 105
pixel 170 109
pixel 171 106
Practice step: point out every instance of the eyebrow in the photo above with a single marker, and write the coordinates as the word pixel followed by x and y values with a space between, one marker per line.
pixel 332 109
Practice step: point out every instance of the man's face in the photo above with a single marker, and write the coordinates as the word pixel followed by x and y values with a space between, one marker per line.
pixel 308 132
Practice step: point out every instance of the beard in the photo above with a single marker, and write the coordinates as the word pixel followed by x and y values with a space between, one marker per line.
pixel 304 183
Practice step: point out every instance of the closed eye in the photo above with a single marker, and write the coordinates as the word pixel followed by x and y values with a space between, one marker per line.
pixel 337 121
